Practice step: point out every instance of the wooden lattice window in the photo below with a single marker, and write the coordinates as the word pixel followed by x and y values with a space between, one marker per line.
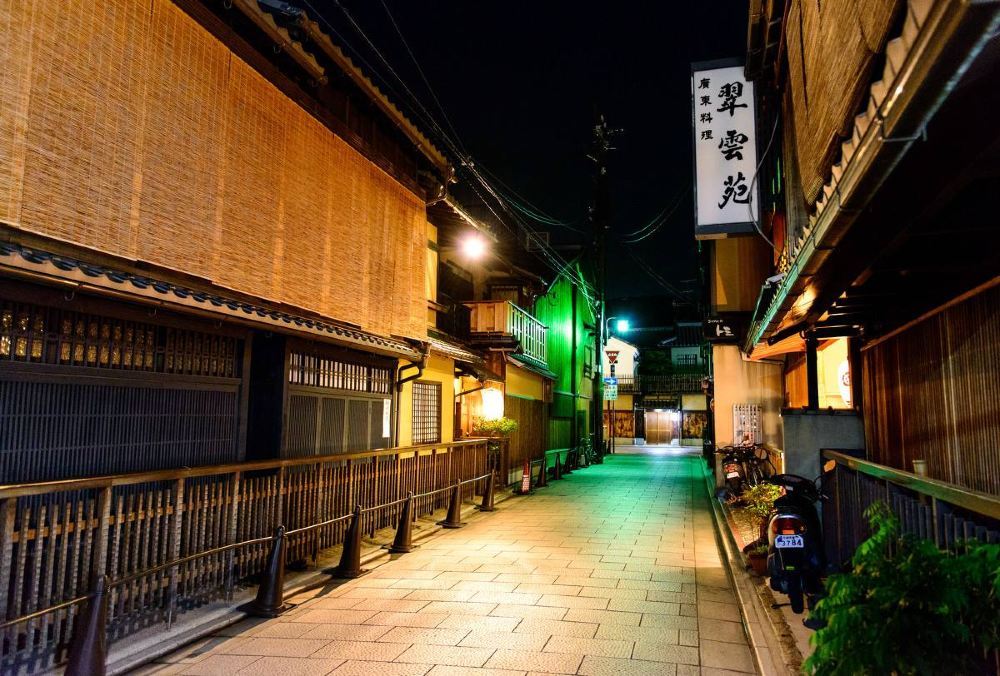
pixel 45 335
pixel 334 374
pixel 426 412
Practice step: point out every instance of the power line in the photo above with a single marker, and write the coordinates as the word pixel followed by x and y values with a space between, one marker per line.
pixel 553 259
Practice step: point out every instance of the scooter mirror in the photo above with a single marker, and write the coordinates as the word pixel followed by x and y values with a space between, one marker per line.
pixel 829 466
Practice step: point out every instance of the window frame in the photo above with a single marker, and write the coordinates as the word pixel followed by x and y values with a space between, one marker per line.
pixel 418 427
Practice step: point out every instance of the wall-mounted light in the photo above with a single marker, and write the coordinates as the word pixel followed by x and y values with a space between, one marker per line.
pixel 492 403
pixel 473 246
pixel 622 326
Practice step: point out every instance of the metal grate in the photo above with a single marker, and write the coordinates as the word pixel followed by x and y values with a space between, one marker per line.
pixel 44 335
pixel 426 412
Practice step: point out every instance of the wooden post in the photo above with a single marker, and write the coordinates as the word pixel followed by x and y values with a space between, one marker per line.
pixel 812 370
pixel 7 508
pixel 234 513
pixel 176 526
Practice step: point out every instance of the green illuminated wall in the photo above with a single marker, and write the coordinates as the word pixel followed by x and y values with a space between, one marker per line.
pixel 572 392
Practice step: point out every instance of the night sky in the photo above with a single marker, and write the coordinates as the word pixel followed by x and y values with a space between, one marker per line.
pixel 520 82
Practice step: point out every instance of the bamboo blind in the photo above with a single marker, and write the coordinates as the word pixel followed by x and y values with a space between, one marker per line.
pixel 831 51
pixel 127 128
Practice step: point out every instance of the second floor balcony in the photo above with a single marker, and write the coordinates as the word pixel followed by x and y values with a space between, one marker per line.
pixel 501 323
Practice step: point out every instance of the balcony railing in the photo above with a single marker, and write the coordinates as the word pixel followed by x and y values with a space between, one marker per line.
pixel 674 382
pixel 499 320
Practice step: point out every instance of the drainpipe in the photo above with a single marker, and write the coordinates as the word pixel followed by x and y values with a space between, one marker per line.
pixel 400 381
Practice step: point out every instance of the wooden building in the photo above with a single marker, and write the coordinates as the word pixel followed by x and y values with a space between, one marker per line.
pixel 881 305
pixel 214 242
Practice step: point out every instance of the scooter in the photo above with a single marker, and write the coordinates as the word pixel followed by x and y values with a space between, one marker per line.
pixel 795 555
pixel 733 471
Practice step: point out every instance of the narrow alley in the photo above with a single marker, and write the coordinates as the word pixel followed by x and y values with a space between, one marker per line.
pixel 614 570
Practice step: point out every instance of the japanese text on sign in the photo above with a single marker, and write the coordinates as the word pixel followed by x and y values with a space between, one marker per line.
pixel 725 151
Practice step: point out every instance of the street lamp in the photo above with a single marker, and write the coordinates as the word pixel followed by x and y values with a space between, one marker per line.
pixel 621 326
pixel 474 246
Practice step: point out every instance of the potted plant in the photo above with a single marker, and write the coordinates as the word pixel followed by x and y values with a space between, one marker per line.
pixel 759 501
pixel 906 607
pixel 757 555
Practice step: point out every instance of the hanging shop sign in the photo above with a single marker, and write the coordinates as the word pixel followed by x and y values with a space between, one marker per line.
pixel 725 150
pixel 727 327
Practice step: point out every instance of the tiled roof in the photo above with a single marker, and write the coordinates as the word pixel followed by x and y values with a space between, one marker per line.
pixel 452 351
pixel 97 277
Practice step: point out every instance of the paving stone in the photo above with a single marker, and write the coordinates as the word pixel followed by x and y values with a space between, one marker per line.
pixel 732 656
pixel 220 665
pixel 346 632
pixel 589 646
pixel 275 647
pixel 424 635
pixel 422 619
pixel 361 650
pixel 445 670
pixel 612 666
pixel 505 640
pixel 557 628
pixel 602 616
pixel 359 668
pixel 719 611
pixel 290 666
pixel 662 652
pixel 333 616
pixel 480 622
pixel 548 663
pixel 455 656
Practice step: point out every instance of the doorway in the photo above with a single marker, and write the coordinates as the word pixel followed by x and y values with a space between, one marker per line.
pixel 661 426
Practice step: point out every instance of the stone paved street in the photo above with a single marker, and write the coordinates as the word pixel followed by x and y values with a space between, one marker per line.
pixel 614 570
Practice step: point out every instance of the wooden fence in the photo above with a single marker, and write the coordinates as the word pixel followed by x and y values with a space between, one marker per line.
pixel 928 508
pixel 55 537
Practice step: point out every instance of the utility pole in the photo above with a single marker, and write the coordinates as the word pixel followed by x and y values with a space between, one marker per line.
pixel 601 219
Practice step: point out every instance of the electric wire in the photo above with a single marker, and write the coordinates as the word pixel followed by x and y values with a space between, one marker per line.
pixel 553 259
pixel 753 181
pixel 423 76
pixel 662 221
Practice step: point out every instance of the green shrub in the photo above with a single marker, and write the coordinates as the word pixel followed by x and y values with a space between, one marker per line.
pixel 496 427
pixel 759 500
pixel 907 607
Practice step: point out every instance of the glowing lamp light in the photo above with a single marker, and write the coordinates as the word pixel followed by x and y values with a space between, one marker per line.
pixel 474 247
pixel 622 326
pixel 492 403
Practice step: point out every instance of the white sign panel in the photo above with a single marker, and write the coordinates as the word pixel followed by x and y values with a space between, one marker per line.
pixel 386 418
pixel 725 151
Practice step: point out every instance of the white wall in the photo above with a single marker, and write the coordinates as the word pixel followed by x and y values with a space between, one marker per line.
pixel 628 357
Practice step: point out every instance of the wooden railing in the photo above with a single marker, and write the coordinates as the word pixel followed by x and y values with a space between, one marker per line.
pixel 55 537
pixel 928 508
pixel 503 318
pixel 675 382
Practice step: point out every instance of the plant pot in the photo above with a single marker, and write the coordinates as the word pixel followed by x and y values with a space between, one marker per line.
pixel 758 563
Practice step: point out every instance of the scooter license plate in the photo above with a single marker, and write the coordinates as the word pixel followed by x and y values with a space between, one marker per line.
pixel 732 475
pixel 789 542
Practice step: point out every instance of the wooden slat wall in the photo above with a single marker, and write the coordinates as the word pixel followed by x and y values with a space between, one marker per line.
pixel 531 438
pixel 933 393
pixel 126 127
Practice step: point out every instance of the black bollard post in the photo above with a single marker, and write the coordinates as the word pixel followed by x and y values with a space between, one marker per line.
pixel 350 557
pixel 88 652
pixel 557 469
pixel 487 505
pixel 270 600
pixel 403 542
pixel 454 518
pixel 543 473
